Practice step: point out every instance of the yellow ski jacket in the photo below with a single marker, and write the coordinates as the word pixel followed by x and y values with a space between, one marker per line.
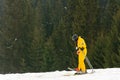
pixel 81 43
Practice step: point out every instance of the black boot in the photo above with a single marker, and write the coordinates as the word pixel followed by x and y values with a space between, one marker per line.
pixel 79 73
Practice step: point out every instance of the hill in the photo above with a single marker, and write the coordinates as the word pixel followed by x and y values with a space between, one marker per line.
pixel 100 74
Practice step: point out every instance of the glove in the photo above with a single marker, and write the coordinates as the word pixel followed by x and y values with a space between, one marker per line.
pixel 76 48
pixel 78 52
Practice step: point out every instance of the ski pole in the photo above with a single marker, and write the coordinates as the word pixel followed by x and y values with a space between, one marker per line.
pixel 89 64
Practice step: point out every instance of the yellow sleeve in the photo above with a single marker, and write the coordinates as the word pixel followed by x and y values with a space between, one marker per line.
pixel 81 43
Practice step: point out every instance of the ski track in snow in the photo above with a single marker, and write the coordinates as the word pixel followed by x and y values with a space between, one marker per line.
pixel 100 74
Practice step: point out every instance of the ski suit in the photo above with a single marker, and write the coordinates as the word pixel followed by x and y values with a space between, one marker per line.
pixel 81 52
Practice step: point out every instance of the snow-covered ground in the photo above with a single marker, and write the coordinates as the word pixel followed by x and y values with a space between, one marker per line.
pixel 100 74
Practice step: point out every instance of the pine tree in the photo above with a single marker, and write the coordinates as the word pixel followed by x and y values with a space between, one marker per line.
pixel 48 56
pixel 58 32
pixel 99 52
pixel 37 45
pixel 13 21
pixel 112 49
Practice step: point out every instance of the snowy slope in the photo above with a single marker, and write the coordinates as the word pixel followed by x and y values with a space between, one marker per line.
pixel 100 74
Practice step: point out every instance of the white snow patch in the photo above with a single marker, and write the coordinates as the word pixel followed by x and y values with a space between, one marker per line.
pixel 100 74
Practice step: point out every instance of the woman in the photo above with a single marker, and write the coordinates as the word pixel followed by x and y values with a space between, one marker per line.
pixel 81 51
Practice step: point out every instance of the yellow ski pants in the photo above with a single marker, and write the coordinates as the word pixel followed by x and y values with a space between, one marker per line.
pixel 81 58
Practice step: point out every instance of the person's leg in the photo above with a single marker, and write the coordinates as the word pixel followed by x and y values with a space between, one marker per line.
pixel 81 58
pixel 83 68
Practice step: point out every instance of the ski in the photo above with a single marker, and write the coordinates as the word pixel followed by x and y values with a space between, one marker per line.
pixel 77 73
pixel 74 74
pixel 71 69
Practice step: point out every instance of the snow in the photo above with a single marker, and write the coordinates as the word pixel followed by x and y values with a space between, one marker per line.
pixel 100 74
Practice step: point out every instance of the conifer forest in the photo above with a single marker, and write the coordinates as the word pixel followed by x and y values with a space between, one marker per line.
pixel 35 35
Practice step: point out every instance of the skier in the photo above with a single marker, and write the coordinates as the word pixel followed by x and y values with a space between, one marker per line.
pixel 81 51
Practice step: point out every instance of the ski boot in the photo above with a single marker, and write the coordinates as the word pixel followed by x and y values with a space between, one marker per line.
pixel 80 73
